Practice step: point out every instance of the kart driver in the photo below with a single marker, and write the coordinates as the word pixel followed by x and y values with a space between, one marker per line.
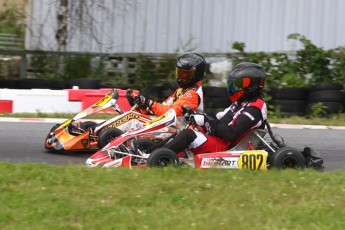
pixel 247 111
pixel 190 69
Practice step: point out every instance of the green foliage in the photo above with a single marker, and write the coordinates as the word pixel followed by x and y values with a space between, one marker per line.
pixel 318 110
pixel 76 67
pixel 43 65
pixel 47 65
pixel 307 66
pixel 152 71
pixel 9 19
pixel 312 60
pixel 337 65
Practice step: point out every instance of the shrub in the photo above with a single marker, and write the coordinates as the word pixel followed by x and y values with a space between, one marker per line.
pixel 307 66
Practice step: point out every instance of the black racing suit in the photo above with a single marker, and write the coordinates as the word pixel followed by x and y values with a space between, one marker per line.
pixel 227 129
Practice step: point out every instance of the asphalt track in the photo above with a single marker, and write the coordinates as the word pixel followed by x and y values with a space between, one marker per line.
pixel 22 140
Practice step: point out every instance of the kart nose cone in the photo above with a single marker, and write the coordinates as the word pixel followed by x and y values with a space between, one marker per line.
pixel 89 163
pixel 53 144
pixel 97 159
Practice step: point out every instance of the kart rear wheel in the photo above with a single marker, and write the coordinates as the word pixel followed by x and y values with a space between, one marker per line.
pixel 143 144
pixel 107 136
pixel 288 157
pixel 88 124
pixel 162 157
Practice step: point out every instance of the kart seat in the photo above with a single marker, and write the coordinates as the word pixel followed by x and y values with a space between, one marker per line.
pixel 251 140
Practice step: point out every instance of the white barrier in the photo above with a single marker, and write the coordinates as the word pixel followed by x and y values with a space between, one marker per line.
pixel 39 100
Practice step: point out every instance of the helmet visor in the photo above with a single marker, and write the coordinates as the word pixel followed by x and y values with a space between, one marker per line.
pixel 184 74
pixel 237 84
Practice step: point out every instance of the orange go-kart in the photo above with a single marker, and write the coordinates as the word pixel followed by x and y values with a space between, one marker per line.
pixel 76 134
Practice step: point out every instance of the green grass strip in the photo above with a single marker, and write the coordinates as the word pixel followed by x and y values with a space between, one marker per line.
pixel 40 196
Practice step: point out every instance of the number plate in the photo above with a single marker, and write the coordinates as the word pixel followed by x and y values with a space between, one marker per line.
pixel 253 160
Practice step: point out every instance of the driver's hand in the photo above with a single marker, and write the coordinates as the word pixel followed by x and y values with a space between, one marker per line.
pixel 199 119
pixel 143 102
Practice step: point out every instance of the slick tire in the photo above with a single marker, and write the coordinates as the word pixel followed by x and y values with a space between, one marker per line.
pixel 326 96
pixel 107 136
pixel 216 102
pixel 212 91
pixel 294 107
pixel 88 124
pixel 288 157
pixel 162 157
pixel 288 93
pixel 325 86
pixel 143 144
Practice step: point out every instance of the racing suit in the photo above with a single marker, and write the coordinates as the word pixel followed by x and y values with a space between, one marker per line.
pixel 191 96
pixel 227 129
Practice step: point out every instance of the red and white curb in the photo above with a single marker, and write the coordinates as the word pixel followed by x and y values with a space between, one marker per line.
pixel 273 125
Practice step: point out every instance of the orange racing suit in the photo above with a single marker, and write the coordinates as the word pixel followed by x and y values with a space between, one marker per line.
pixel 191 96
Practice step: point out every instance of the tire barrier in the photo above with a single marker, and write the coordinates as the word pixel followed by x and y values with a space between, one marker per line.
pixel 216 99
pixel 86 83
pixel 9 84
pixel 291 101
pixel 32 83
pixel 329 95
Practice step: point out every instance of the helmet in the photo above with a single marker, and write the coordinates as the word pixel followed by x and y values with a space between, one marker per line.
pixel 245 80
pixel 190 68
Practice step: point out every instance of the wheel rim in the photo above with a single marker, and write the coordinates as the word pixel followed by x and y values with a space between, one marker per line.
pixel 289 162
pixel 143 150
pixel 110 138
pixel 163 162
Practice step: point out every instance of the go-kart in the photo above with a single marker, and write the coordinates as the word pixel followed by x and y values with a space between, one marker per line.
pixel 259 149
pixel 129 149
pixel 76 134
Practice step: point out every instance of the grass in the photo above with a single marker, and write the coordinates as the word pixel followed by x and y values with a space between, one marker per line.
pixel 331 120
pixel 39 196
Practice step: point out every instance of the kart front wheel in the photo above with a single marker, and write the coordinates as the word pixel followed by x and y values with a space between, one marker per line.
pixel 107 136
pixel 54 128
pixel 288 157
pixel 162 157
pixel 143 145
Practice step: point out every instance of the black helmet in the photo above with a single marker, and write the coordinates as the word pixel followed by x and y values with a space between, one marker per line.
pixel 245 80
pixel 190 68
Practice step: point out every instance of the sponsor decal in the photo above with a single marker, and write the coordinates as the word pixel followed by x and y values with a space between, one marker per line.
pixel 156 119
pixel 219 162
pixel 188 95
pixel 124 120
pixel 116 163
pixel 104 100
pixel 84 142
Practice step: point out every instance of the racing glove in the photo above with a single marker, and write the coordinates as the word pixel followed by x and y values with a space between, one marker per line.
pixel 203 120
pixel 143 102
pixel 129 97
pixel 199 119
